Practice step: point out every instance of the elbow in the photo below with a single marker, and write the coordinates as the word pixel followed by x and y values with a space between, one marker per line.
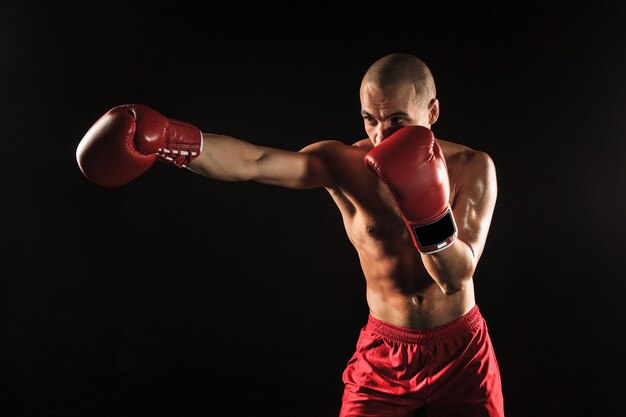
pixel 452 288
pixel 455 284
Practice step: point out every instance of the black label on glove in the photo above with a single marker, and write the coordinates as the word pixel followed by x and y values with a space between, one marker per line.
pixel 435 233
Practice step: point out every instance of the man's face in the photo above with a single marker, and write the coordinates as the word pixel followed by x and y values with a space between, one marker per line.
pixel 386 110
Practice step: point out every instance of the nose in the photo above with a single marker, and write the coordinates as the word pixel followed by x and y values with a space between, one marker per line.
pixel 381 132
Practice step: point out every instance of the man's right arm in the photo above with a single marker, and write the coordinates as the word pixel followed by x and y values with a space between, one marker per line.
pixel 128 139
pixel 229 159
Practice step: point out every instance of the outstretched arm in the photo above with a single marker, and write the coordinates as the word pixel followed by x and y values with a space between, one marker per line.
pixel 229 159
pixel 126 141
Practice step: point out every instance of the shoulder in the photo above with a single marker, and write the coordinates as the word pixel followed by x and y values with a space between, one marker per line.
pixel 472 172
pixel 323 146
pixel 461 157
pixel 364 144
pixel 334 147
pixel 343 162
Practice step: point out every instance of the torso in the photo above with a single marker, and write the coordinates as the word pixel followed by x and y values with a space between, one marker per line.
pixel 399 289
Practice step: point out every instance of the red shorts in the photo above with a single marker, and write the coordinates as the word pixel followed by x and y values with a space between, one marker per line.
pixel 449 370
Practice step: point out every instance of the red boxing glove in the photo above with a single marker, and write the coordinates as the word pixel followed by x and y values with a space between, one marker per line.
pixel 411 163
pixel 126 141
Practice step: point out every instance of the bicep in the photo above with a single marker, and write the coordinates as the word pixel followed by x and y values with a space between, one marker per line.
pixel 475 201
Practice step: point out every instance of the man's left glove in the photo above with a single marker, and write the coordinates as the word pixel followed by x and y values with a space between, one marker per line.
pixel 411 164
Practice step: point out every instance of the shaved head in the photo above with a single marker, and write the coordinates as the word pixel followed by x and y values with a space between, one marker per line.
pixel 397 68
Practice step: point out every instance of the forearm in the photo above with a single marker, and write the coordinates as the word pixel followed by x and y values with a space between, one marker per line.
pixel 452 267
pixel 226 158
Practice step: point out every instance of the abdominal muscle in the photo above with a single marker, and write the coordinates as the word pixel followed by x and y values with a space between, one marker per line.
pixel 401 292
pixel 419 310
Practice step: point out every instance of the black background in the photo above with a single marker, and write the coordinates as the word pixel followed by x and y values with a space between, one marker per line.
pixel 180 295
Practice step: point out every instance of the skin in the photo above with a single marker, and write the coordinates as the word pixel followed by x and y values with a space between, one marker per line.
pixel 404 288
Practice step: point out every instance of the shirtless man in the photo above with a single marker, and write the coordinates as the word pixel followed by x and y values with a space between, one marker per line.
pixel 425 344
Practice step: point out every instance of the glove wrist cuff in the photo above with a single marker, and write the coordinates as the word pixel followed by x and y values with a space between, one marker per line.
pixel 183 144
pixel 435 236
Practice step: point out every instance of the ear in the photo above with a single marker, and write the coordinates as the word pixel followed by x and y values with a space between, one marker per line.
pixel 433 111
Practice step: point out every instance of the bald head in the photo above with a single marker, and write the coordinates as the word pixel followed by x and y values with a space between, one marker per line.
pixel 394 69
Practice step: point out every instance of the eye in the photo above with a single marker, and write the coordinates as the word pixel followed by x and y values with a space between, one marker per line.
pixel 369 119
pixel 397 121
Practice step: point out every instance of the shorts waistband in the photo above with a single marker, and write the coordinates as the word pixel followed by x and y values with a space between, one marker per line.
pixel 466 323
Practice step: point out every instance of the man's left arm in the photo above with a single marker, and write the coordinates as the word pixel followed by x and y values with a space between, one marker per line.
pixel 472 209
pixel 449 237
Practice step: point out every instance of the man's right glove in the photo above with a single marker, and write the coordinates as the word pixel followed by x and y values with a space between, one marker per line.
pixel 125 142
pixel 411 164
